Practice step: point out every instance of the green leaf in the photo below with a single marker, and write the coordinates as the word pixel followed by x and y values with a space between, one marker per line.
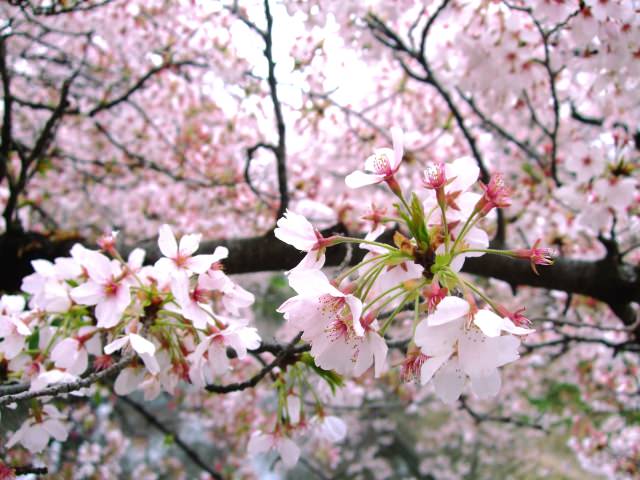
pixel 332 378
pixel 34 339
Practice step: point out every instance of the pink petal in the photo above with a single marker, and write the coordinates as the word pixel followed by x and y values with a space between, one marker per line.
pixel 259 443
pixel 200 263
pixel 108 313
pixel 189 244
pixel 56 429
pixel 89 293
pixel 398 147
pixel 128 380
pixel 167 242
pixel 359 179
pixel 289 451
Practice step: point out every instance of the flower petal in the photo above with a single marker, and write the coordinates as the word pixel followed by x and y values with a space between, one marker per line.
pixel 167 242
pixel 450 308
pixel 449 381
pixel 359 179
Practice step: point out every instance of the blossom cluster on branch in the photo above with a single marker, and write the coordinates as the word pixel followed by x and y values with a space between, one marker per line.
pixel 183 318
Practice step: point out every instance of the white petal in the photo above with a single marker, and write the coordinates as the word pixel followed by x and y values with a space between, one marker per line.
pixel 380 349
pixel 259 443
pixel 220 253
pixel 312 283
pixel 89 293
pixel 488 322
pixel 141 344
pixel 12 303
pixel 167 242
pixel 35 438
pixel 128 380
pixel 56 429
pixel 431 366
pixel 311 261
pixel 476 238
pixel 296 230
pixel 200 263
pixel 479 353
pixel 334 429
pixel 21 328
pixel 289 451
pixel 398 147
pixel 449 381
pixel 355 305
pixel 150 362
pixel 117 344
pixel 509 326
pixel 438 340
pixel 189 244
pixel 109 313
pixel 465 170
pixel 450 308
pixel 293 407
pixel 136 258
pixel 359 179
pixel 486 384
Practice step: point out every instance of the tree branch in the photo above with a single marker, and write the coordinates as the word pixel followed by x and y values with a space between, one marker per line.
pixel 62 388
pixel 189 452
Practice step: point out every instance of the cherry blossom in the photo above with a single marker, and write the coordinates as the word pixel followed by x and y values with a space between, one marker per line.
pixel 287 449
pixel 106 289
pixel 12 329
pixel 381 166
pixel 296 230
pixel 35 434
pixel 180 258
pixel 143 347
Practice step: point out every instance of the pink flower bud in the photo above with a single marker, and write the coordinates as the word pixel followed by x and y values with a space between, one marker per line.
pixel 537 256
pixel 496 195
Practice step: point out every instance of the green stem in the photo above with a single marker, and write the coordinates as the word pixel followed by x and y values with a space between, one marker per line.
pixel 383 294
pixel 348 272
pixel 445 227
pixel 339 240
pixel 371 280
pixel 387 323
pixel 467 225
pixel 486 250
pixel 479 292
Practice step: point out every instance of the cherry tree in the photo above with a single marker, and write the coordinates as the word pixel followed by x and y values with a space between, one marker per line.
pixel 434 206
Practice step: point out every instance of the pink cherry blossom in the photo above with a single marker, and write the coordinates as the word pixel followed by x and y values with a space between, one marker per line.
pixel 106 288
pixel 180 258
pixel 35 434
pixel 263 442
pixel 296 230
pixel 381 166
pixel 143 347
pixel 13 330
pixel 210 359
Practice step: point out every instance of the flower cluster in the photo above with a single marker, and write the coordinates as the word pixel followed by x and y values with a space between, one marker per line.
pixel 456 331
pixel 184 319
pixel 175 320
